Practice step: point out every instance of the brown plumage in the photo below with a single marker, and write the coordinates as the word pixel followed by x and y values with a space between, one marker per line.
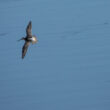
pixel 24 49
pixel 28 29
pixel 28 39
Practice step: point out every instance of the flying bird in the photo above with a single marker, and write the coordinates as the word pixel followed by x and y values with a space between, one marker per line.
pixel 28 39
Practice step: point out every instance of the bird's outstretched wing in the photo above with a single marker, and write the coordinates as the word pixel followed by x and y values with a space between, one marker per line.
pixel 28 29
pixel 24 49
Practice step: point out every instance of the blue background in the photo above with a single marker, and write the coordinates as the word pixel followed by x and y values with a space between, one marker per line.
pixel 69 67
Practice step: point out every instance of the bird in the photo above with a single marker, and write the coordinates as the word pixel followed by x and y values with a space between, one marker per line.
pixel 28 39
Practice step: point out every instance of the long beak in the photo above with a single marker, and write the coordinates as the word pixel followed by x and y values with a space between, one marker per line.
pixel 20 39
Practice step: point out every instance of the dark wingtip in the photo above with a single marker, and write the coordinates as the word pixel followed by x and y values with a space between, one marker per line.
pixel 30 22
pixel 22 57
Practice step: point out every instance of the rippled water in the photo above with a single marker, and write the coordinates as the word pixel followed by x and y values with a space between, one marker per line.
pixel 69 68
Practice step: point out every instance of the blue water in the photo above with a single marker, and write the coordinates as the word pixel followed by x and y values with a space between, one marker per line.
pixel 69 67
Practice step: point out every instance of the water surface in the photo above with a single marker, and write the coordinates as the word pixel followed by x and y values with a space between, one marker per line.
pixel 69 68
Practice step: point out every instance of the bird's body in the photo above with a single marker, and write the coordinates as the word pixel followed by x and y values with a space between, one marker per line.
pixel 28 39
pixel 32 39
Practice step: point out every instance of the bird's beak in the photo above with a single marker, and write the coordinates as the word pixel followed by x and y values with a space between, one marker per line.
pixel 20 39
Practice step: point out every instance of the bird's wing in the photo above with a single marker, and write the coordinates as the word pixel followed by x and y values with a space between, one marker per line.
pixel 24 49
pixel 28 29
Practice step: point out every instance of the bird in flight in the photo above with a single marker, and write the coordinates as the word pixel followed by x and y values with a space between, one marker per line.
pixel 28 39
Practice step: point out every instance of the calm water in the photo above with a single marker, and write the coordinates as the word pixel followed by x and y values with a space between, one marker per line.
pixel 69 68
